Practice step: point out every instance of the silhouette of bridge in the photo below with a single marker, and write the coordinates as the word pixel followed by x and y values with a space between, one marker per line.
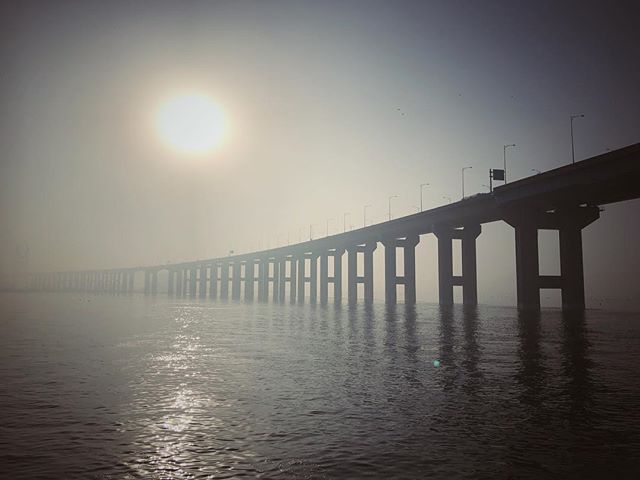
pixel 566 199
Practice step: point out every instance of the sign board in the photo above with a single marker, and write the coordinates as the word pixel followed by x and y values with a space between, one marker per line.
pixel 498 174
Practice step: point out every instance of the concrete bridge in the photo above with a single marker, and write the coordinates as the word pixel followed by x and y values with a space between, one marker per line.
pixel 565 199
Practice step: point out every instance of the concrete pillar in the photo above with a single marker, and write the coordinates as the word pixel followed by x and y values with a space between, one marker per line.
pixel 171 282
pixel 445 265
pixel 409 248
pixel 302 264
pixel 236 281
pixel 179 282
pixel 203 281
pixel 569 222
pixel 249 279
pixel 390 279
pixel 313 279
pixel 571 267
pixel 193 281
pixel 352 275
pixel 275 279
pixel 147 282
pixel 213 282
pixel 132 278
pixel 282 279
pixel 154 282
pixel 324 278
pixel 368 271
pixel 263 279
pixel 527 268
pixel 337 275
pixel 469 278
pixel 224 281
pixel 293 278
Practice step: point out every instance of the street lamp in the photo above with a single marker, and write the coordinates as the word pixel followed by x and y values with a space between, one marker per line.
pixel 504 158
pixel 422 185
pixel 328 220
pixel 392 196
pixel 573 154
pixel 463 169
pixel 364 216
pixel 344 221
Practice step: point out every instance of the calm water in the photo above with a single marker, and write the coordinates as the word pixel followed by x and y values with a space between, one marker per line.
pixel 131 387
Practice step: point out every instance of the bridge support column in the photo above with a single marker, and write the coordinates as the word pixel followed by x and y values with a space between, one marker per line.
pixel 352 274
pixel 171 282
pixel 275 279
pixel 224 281
pixel 202 288
pixel 302 279
pixel 569 223
pixel 213 281
pixel 293 278
pixel 193 281
pixel 337 275
pixel 236 281
pixel 147 282
pixel 249 279
pixel 392 280
pixel 179 282
pixel 469 278
pixel 154 282
pixel 313 279
pixel 324 278
pixel 263 280
pixel 282 278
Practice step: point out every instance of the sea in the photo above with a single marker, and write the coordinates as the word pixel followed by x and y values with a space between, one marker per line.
pixel 135 387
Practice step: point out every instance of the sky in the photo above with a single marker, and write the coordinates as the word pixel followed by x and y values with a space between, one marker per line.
pixel 330 105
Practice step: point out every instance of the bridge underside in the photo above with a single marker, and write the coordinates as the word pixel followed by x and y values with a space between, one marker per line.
pixel 566 199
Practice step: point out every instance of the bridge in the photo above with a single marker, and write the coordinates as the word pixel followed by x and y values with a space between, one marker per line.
pixel 566 199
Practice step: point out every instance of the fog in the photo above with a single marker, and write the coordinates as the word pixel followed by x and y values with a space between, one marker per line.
pixel 329 105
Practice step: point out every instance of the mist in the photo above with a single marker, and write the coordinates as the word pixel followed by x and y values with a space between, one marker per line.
pixel 330 106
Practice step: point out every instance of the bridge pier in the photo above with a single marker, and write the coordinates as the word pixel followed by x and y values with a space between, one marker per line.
pixel 263 279
pixel 236 280
pixel 202 288
pixel 469 278
pixel 213 281
pixel 224 281
pixel 171 282
pixel 275 279
pixel 391 279
pixel 569 223
pixel 249 279
pixel 352 274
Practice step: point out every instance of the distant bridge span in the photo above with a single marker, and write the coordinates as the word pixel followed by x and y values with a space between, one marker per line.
pixel 566 199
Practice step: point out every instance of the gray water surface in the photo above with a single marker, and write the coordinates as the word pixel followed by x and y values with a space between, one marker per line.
pixel 135 387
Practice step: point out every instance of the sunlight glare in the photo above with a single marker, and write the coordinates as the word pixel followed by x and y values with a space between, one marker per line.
pixel 190 123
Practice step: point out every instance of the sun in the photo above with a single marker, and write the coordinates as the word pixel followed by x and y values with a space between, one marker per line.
pixel 190 123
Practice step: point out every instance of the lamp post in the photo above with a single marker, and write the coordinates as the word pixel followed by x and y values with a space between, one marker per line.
pixel 344 221
pixel 573 153
pixel 463 169
pixel 391 197
pixel 328 220
pixel 364 216
pixel 422 185
pixel 504 158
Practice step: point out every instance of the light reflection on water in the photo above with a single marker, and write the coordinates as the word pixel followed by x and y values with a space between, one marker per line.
pixel 128 387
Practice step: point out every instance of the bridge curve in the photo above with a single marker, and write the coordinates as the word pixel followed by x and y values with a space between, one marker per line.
pixel 565 199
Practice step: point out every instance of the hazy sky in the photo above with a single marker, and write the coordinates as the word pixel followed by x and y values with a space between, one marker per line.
pixel 330 106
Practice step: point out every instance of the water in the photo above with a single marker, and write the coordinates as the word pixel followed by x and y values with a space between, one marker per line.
pixel 133 387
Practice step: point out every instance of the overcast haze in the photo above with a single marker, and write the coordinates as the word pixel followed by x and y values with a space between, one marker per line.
pixel 330 106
